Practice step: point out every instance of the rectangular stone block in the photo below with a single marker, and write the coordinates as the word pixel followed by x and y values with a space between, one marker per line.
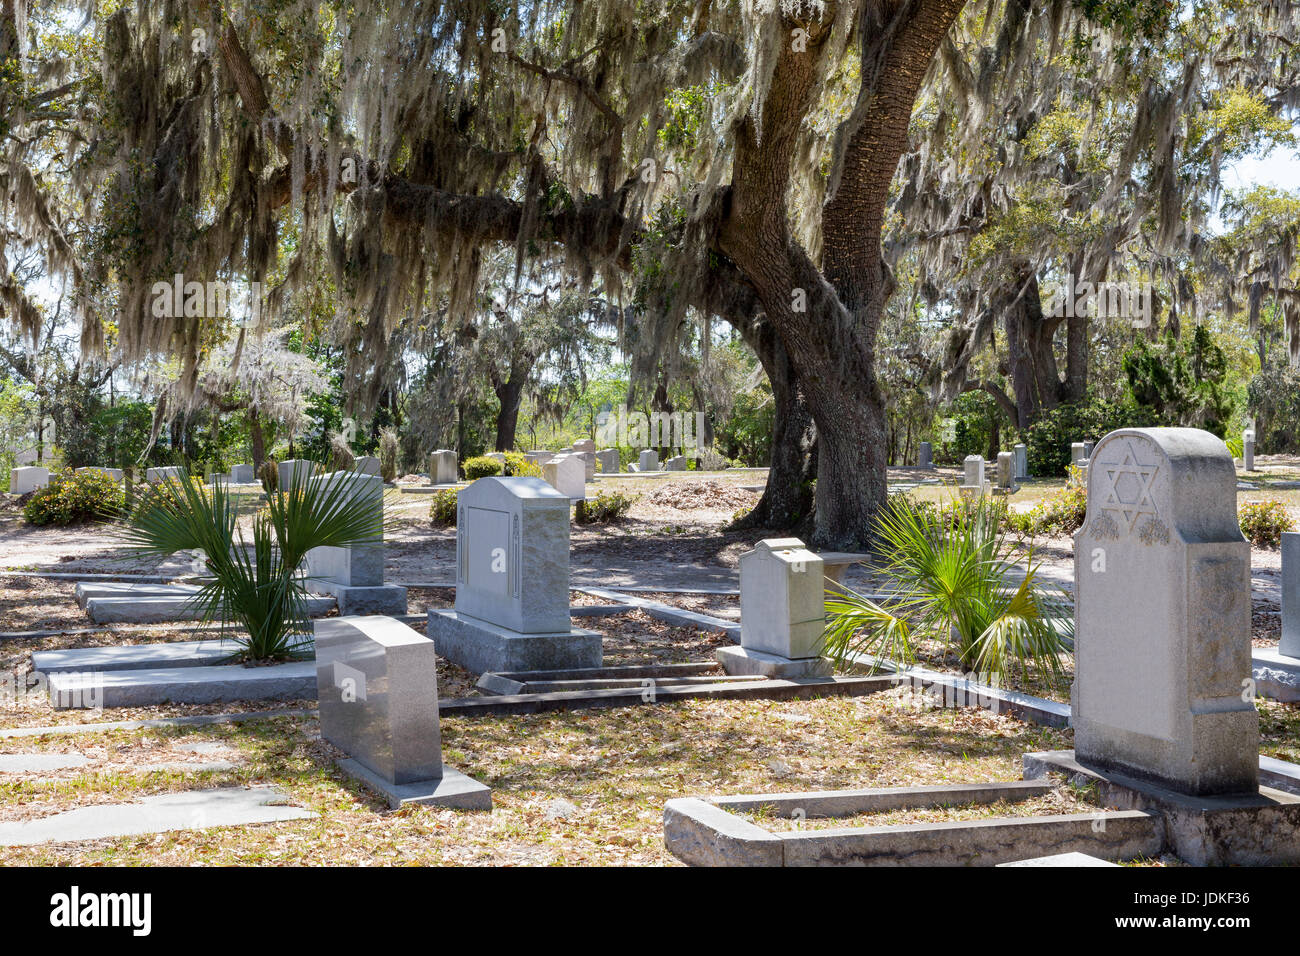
pixel 567 475
pixel 169 473
pixel 648 460
pixel 1022 461
pixel 973 473
pixel 367 465
pixel 608 461
pixel 361 565
pixel 676 463
pixel 482 647
pixel 782 599
pixel 442 467
pixel 925 457
pixel 512 554
pixel 1162 589
pixel 243 474
pixel 114 473
pixel 377 682
pixel 295 472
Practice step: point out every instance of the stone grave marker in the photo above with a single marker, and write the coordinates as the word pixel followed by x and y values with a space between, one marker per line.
pixel 1078 453
pixel 1162 589
pixel 367 465
pixel 1248 450
pixel 354 576
pixel 1006 473
pixel 377 681
pixel 567 474
pixel 608 461
pixel 295 472
pixel 512 582
pixel 442 467
pixel 925 457
pixel 676 463
pixel 24 480
pixel 243 474
pixel 1022 461
pixel 782 612
pixel 169 473
pixel 648 460
pixel 972 482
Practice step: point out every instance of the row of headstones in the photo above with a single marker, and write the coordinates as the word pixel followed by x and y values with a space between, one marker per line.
pixel 1016 465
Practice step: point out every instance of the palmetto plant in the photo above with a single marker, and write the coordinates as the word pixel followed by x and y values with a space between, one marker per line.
pixel 258 585
pixel 950 571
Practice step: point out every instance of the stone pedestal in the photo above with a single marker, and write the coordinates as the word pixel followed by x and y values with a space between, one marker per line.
pixel 782 612
pixel 1162 605
pixel 512 582
pixel 377 682
pixel 972 482
pixel 442 467
pixel 355 575
pixel 648 460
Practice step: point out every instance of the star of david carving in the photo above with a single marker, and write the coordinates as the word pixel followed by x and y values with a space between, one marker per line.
pixel 1126 485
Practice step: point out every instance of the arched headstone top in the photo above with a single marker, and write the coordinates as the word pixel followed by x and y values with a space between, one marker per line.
pixel 1158 485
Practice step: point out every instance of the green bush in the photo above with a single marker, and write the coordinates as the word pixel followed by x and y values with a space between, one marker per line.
pixel 443 509
pixel 481 467
pixel 1273 399
pixel 1048 440
pixel 518 466
pixel 75 498
pixel 1059 513
pixel 1262 522
pixel 605 508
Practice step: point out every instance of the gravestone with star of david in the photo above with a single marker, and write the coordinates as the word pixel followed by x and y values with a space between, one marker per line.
pixel 1162 631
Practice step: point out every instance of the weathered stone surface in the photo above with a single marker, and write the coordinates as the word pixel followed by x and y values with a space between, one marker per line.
pixel 1289 645
pixel 442 467
pixel 169 473
pixel 187 810
pixel 295 472
pixel 608 461
pixel 243 474
pixel 40 763
pixel 676 463
pixel 367 465
pixel 701 834
pixel 567 474
pixel 1162 603
pixel 1078 453
pixel 584 445
pixel 119 657
pixel 820 804
pixel 782 599
pixel 377 682
pixel 86 590
pixel 481 646
pixel 157 610
pixel 1248 450
pixel 115 473
pixel 973 471
pixel 453 789
pixel 648 460
pixel 1276 675
pixel 1022 461
pixel 181 685
pixel 1006 471
pixel 362 564
pixel 512 555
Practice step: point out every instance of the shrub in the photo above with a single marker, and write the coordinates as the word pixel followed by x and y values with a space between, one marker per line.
pixel 605 508
pixel 1273 400
pixel 1059 513
pixel 1048 440
pixel 269 475
pixel 481 467
pixel 443 509
pixel 518 466
pixel 1262 522
pixel 75 498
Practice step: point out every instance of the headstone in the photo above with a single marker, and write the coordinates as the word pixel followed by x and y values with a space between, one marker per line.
pixel 608 461
pixel 782 612
pixel 24 480
pixel 114 473
pixel 676 463
pixel 512 582
pixel 355 575
pixel 567 475
pixel 588 459
pixel 584 444
pixel 1289 645
pixel 1163 629
pixel 972 482
pixel 633 467
pixel 295 472
pixel 648 460
pixel 377 681
pixel 1248 449
pixel 925 457
pixel 1022 461
pixel 367 465
pixel 218 478
pixel 243 474
pixel 538 455
pixel 1006 472
pixel 169 473
pixel 442 467
pixel 1078 453
pixel 1088 447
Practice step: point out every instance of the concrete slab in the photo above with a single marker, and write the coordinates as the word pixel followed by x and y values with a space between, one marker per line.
pixel 190 810
pixel 480 646
pixel 738 661
pixel 453 789
pixel 161 610
pixel 135 656
pixel 40 763
pixel 85 590
pixel 383 599
pixel 182 685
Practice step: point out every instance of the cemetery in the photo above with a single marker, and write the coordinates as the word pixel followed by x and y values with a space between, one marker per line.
pixel 615 442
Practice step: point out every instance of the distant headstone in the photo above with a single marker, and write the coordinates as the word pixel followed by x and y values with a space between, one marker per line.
pixel 588 459
pixel 367 465
pixel 567 474
pixel 1163 630
pixel 584 444
pixel 1006 472
pixel 377 682
pixel 355 575
pixel 442 467
pixel 1248 449
pixel 169 473
pixel 24 480
pixel 648 460
pixel 925 457
pixel 1022 461
pixel 512 582
pixel 295 472
pixel 972 481
pixel 1088 447
pixel 538 455
pixel 115 473
pixel 676 463
pixel 1078 453
pixel 243 474
pixel 782 612
pixel 608 461
pixel 1289 645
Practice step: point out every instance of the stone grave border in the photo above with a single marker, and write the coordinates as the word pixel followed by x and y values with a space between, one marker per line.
pixel 707 831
